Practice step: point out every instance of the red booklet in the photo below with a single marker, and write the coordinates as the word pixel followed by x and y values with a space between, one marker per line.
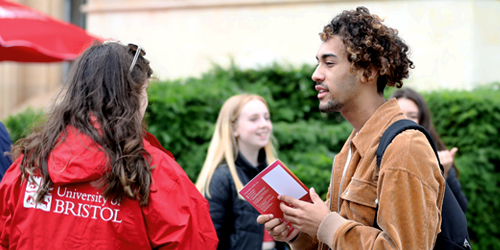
pixel 263 190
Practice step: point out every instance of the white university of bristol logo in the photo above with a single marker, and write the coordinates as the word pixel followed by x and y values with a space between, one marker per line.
pixel 78 204
pixel 31 194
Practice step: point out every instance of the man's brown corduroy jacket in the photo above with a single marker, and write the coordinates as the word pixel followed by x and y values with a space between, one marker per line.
pixel 409 190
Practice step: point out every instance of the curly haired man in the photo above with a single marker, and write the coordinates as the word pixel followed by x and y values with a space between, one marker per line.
pixel 359 56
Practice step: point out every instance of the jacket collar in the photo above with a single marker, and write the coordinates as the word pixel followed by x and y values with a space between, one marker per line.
pixel 243 163
pixel 372 130
pixel 77 158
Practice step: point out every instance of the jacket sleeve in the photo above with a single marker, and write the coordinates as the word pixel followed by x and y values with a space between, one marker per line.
pixel 5 143
pixel 177 216
pixel 456 188
pixel 10 188
pixel 304 242
pixel 220 202
pixel 410 195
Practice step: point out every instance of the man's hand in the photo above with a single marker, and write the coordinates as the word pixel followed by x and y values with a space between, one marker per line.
pixel 277 229
pixel 446 158
pixel 304 216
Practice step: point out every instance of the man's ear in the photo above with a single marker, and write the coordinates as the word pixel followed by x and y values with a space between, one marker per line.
pixel 372 74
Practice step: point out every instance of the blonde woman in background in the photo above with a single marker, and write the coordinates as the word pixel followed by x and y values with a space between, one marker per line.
pixel 240 148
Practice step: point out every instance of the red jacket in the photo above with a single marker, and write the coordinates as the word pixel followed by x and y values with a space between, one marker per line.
pixel 75 215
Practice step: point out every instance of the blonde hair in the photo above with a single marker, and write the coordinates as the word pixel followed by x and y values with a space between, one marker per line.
pixel 223 144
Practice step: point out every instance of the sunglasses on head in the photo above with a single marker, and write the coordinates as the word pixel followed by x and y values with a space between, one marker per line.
pixel 134 48
pixel 138 50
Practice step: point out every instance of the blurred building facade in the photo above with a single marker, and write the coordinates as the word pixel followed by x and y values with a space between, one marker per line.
pixel 455 44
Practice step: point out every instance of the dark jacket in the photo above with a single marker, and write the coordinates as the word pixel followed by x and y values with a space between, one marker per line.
pixel 234 218
pixel 5 143
pixel 456 188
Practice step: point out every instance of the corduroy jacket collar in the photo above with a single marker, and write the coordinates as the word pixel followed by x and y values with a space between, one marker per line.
pixel 382 117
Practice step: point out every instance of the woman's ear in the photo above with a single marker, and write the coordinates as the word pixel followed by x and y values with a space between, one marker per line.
pixel 235 133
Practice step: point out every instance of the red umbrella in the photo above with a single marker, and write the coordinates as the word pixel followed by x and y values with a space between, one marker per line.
pixel 28 35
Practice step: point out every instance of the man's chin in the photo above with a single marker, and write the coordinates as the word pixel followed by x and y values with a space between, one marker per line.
pixel 326 111
pixel 329 108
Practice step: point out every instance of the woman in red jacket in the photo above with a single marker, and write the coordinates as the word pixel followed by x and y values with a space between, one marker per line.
pixel 91 177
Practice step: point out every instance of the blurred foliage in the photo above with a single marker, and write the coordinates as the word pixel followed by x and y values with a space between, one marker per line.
pixel 182 115
pixel 470 121
pixel 21 124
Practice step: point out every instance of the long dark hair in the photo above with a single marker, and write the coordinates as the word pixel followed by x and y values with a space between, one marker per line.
pixel 424 115
pixel 100 89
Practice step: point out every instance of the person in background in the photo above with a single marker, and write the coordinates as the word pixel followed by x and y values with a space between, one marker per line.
pixel 415 109
pixel 91 177
pixel 5 144
pixel 240 148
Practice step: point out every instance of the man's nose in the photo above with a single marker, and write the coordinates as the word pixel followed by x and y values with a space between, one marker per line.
pixel 317 76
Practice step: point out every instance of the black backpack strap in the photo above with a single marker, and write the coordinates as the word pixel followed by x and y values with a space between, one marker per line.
pixel 390 133
pixel 395 129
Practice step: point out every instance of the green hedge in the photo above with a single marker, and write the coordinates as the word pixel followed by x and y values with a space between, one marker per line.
pixel 470 121
pixel 182 113
pixel 20 125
